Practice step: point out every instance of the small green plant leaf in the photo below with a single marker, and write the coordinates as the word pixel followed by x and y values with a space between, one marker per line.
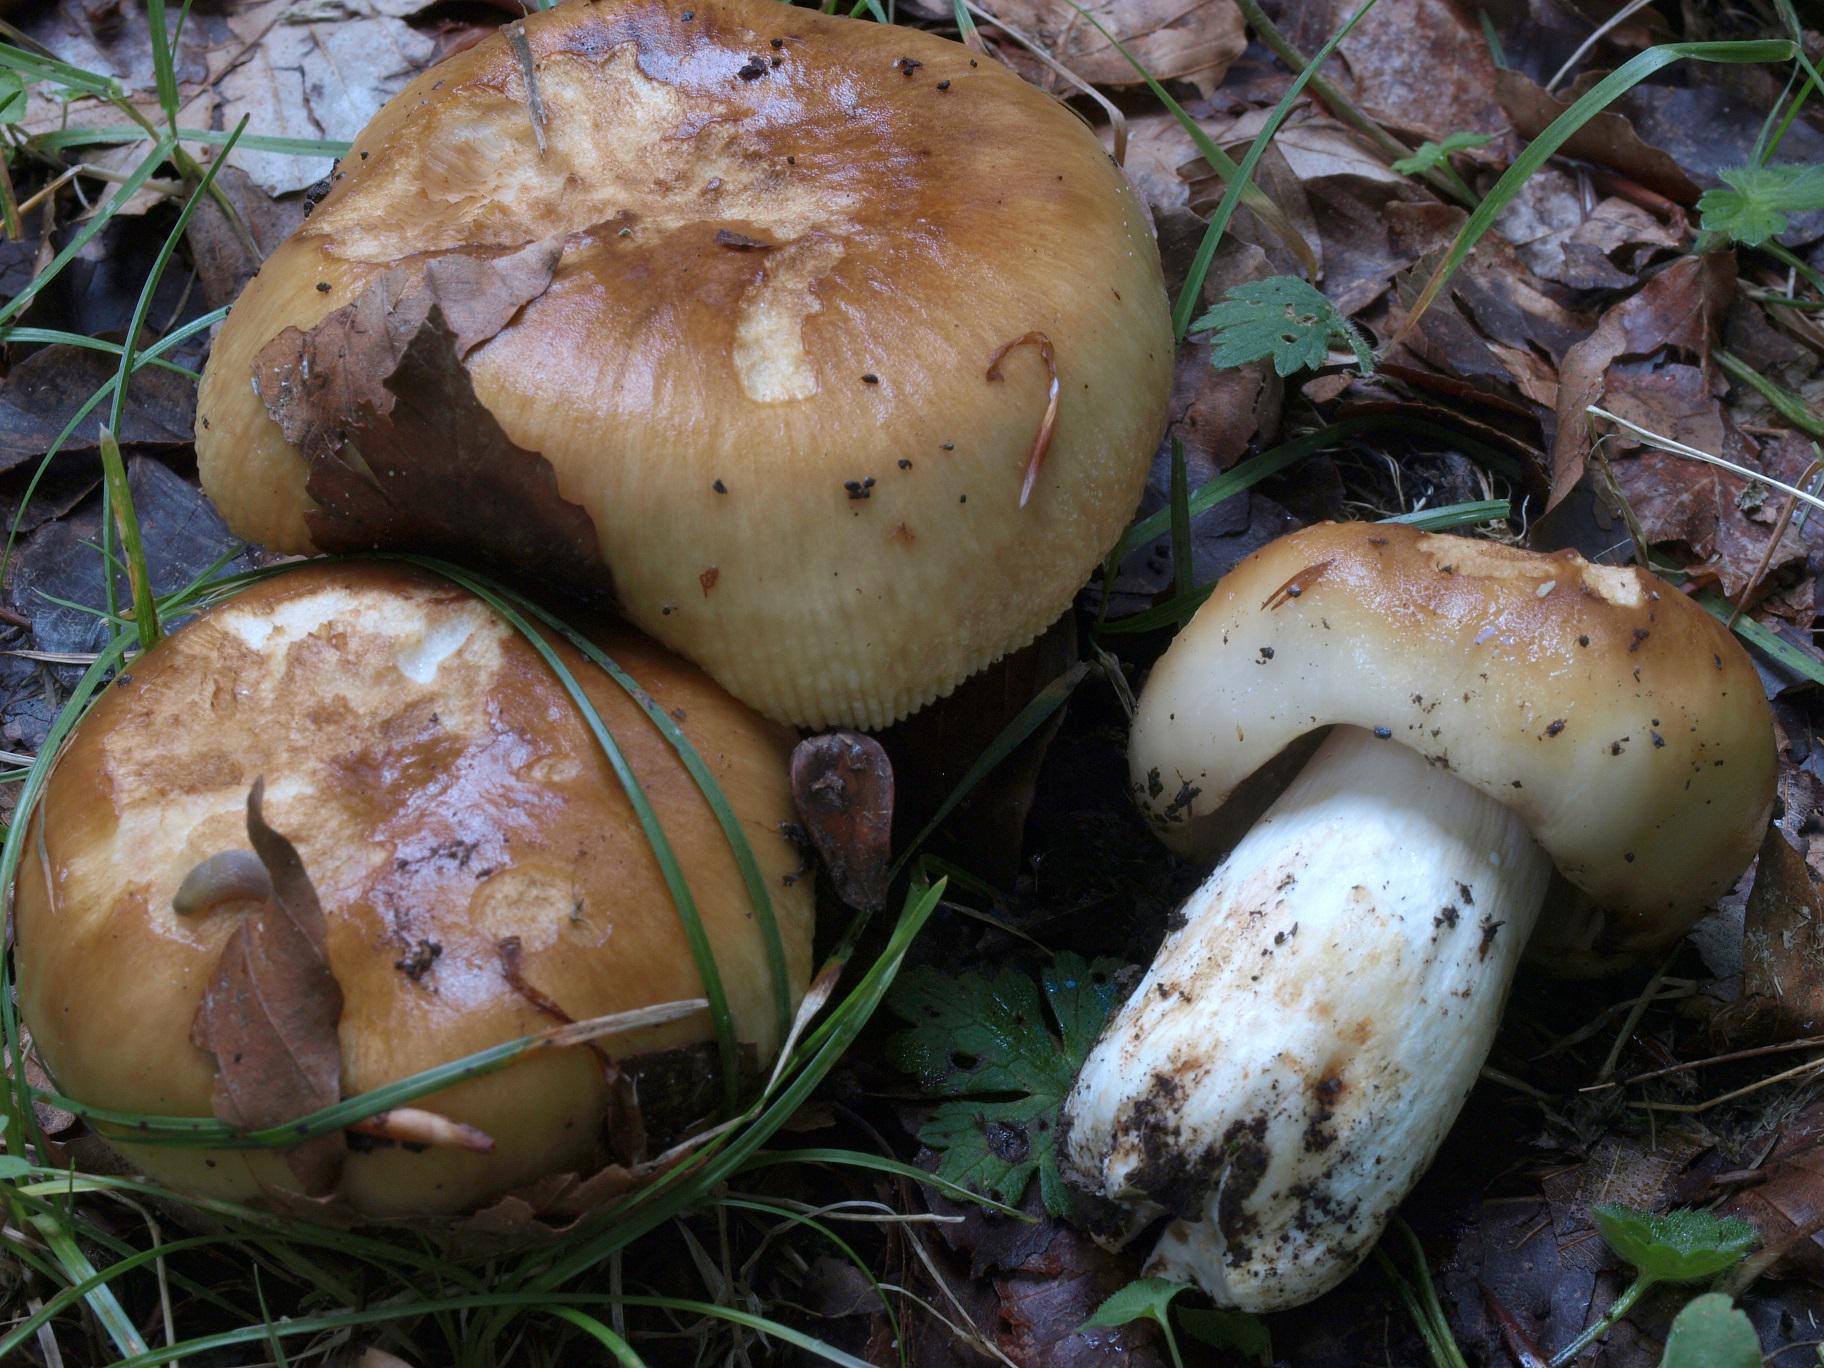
pixel 1711 1333
pixel 1282 317
pixel 1759 198
pixel 1679 1246
pixel 1142 1299
pixel 1237 1330
pixel 1431 155
pixel 989 1044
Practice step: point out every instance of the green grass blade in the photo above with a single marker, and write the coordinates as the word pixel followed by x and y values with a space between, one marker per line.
pixel 35 68
pixel 813 1224
pixel 1192 290
pixel 1025 722
pixel 878 1163
pixel 751 875
pixel 56 139
pixel 78 1269
pixel 118 501
pixel 727 1050
pixel 1617 83
pixel 1448 516
pixel 123 192
pixel 1252 196
pixel 618 1348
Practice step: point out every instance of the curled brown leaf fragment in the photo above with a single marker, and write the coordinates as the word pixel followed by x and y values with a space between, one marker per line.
pixel 402 454
pixel 1041 440
pixel 842 783
pixel 270 1012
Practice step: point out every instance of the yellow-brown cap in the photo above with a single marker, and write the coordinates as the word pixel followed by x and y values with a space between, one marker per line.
pixel 786 251
pixel 1617 717
pixel 479 868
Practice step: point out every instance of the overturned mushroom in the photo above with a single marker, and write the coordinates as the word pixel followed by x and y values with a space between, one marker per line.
pixel 1305 1037
pixel 779 326
pixel 480 874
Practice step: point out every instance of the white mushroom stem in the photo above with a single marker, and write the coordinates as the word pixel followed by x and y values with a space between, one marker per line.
pixel 1307 1034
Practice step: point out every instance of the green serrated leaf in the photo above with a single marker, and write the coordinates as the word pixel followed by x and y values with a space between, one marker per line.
pixel 1237 1330
pixel 1282 317
pixel 1431 155
pixel 1711 1333
pixel 1678 1246
pixel 989 1043
pixel 1142 1299
pixel 1759 199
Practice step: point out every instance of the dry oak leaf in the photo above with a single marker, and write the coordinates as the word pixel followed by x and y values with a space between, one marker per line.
pixel 1176 40
pixel 1681 307
pixel 1783 939
pixel 270 1011
pixel 1608 139
pixel 402 454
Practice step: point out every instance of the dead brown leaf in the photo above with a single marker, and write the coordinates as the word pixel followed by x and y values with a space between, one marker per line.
pixel 402 454
pixel 842 784
pixel 1176 40
pixel 1787 1208
pixel 1608 139
pixel 270 1011
pixel 1680 308
pixel 1416 65
pixel 1783 940
pixel 1722 520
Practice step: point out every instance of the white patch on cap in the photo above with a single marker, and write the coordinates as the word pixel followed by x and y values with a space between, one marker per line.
pixel 769 353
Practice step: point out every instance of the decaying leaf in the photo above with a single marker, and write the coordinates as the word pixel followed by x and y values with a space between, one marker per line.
pixel 1608 139
pixel 1417 65
pixel 402 454
pixel 1176 40
pixel 1787 1207
pixel 1783 940
pixel 1682 307
pixel 842 783
pixel 270 1011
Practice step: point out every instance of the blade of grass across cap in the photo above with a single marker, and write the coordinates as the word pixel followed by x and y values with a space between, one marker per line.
pixel 818 1227
pixel 1192 289
pixel 1763 638
pixel 21 1119
pixel 618 1348
pixel 745 860
pixel 727 1048
pixel 1618 82
pixel 116 498
pixel 196 1132
pixel 1253 197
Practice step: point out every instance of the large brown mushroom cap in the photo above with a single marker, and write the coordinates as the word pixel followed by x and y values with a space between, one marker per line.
pixel 1623 723
pixel 792 246
pixel 443 791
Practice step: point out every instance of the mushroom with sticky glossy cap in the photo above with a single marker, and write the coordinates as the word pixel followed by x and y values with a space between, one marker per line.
pixel 837 350
pixel 1299 1047
pixel 476 870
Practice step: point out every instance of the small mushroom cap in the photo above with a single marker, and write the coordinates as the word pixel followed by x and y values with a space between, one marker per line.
pixel 793 245
pixel 1617 717
pixel 445 796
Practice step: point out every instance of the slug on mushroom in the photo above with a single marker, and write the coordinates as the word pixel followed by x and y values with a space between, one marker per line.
pixel 480 871
pixel 1294 1056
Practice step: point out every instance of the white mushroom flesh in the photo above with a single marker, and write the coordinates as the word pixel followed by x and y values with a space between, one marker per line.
pixel 1307 1034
